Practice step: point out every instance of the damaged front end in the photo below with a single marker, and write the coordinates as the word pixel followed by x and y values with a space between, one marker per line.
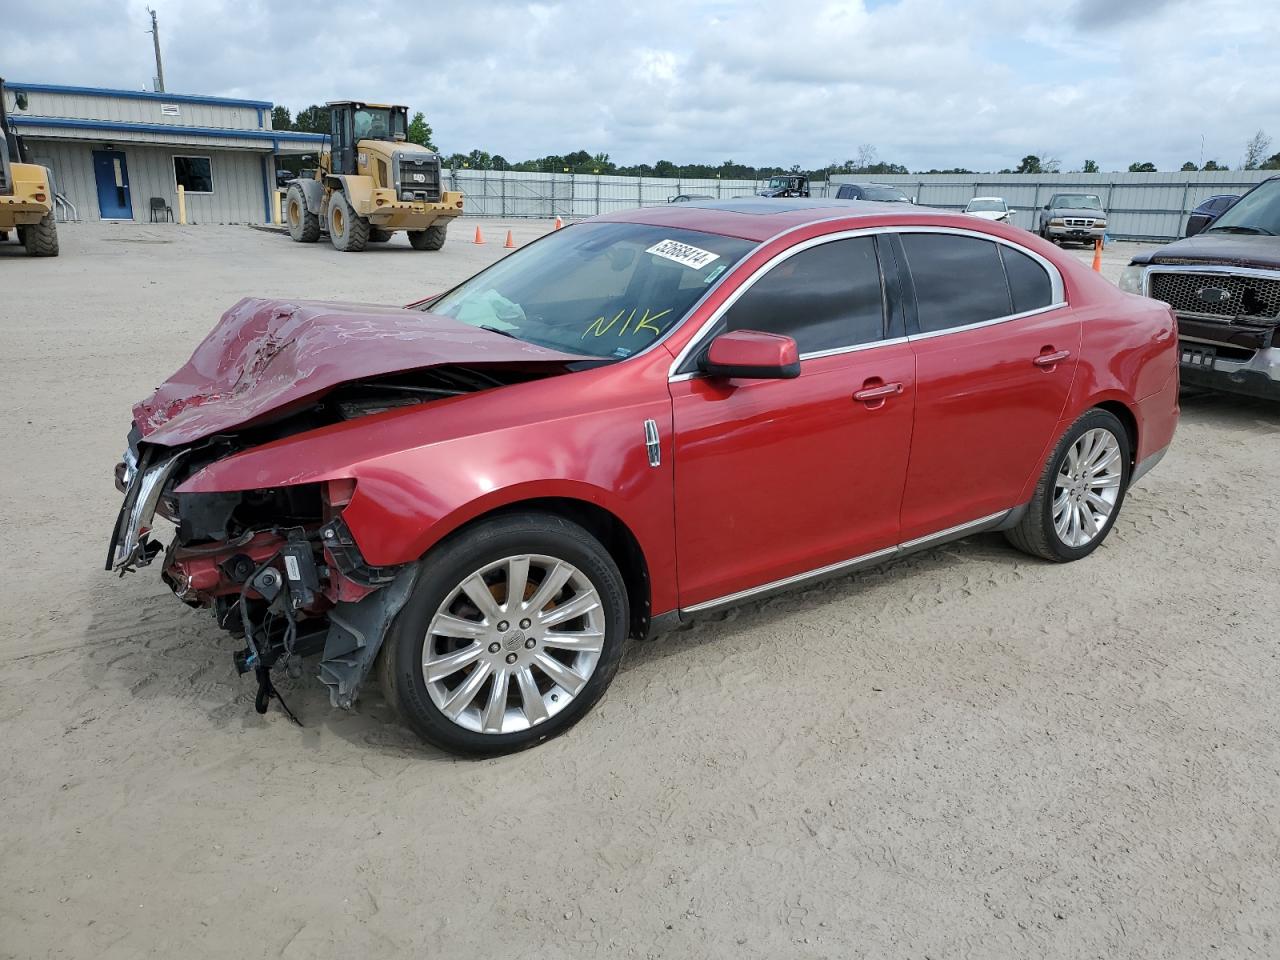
pixel 278 568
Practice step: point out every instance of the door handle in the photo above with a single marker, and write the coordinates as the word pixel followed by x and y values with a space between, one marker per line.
pixel 872 394
pixel 1051 359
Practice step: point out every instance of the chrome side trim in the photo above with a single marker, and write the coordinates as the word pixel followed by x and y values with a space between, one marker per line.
pixel 652 443
pixel 867 559
pixel 1057 289
pixel 960 528
pixel 791 581
pixel 1143 468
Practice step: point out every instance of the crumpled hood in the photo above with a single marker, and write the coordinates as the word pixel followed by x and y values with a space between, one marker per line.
pixel 1230 249
pixel 267 356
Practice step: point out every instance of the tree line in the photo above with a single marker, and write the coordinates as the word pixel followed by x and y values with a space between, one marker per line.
pixel 866 162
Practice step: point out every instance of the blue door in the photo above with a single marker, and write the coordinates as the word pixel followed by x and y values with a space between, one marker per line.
pixel 112 174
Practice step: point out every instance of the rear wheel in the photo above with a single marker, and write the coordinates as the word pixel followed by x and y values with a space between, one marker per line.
pixel 377 235
pixel 41 239
pixel 431 238
pixel 347 231
pixel 513 632
pixel 304 226
pixel 1080 491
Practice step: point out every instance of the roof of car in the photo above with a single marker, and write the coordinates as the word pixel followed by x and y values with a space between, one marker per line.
pixel 1001 199
pixel 759 218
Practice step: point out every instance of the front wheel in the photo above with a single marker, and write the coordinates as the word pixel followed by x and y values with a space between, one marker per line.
pixel 511 635
pixel 348 231
pixel 1080 492
pixel 431 238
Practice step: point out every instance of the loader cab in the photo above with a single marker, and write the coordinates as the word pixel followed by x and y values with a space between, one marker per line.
pixel 351 121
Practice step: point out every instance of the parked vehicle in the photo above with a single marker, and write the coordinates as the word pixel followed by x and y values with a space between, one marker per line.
pixel 879 192
pixel 26 191
pixel 790 185
pixel 371 182
pixel 285 177
pixel 989 208
pixel 1206 211
pixel 1224 285
pixel 630 422
pixel 1073 216
pixel 687 197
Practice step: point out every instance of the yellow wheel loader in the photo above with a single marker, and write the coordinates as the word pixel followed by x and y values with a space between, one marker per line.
pixel 371 182
pixel 26 197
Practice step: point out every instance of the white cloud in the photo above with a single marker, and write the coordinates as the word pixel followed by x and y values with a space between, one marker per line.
pixel 930 82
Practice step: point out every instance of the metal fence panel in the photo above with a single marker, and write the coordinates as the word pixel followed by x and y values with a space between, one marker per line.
pixel 1140 206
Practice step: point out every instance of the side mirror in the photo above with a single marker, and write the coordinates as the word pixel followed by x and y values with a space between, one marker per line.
pixel 752 355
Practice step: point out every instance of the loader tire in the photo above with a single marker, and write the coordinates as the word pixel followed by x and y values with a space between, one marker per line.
pixel 304 226
pixel 431 238
pixel 41 239
pixel 378 235
pixel 348 232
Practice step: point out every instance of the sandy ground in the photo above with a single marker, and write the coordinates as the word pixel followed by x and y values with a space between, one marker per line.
pixel 966 754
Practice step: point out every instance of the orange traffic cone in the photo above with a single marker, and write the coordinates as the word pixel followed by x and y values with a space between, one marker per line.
pixel 478 239
pixel 559 223
pixel 1097 255
pixel 510 244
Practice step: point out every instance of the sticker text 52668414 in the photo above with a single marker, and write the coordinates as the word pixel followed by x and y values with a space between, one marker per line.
pixel 683 254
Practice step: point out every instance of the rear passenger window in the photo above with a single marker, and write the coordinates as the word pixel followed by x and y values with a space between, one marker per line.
pixel 958 280
pixel 1029 283
pixel 825 297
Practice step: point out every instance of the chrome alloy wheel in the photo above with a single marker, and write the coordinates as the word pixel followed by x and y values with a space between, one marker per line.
pixel 1087 487
pixel 513 644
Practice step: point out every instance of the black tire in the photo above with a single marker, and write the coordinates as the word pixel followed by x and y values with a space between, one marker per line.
pixel 443 570
pixel 1035 533
pixel 348 232
pixel 41 239
pixel 304 226
pixel 431 238
pixel 377 235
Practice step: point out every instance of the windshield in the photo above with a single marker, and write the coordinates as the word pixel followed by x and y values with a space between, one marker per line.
pixel 378 123
pixel 778 183
pixel 886 194
pixel 598 289
pixel 1077 201
pixel 982 206
pixel 1258 211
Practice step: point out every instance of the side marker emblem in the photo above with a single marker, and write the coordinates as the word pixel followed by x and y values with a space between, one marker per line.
pixel 651 442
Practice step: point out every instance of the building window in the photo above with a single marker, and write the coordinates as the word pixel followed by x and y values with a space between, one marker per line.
pixel 194 174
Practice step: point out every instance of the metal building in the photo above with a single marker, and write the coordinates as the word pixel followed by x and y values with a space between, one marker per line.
pixel 120 154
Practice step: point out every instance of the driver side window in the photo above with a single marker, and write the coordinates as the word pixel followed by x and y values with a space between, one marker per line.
pixel 825 298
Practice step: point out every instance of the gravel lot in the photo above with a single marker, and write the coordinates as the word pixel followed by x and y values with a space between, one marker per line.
pixel 966 754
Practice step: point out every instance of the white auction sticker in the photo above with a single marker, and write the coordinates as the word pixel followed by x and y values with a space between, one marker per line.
pixel 683 253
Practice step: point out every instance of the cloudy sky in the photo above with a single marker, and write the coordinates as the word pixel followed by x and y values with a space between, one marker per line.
pixel 931 83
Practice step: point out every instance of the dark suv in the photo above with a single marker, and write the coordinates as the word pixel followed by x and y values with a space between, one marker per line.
pixel 880 192
pixel 1224 285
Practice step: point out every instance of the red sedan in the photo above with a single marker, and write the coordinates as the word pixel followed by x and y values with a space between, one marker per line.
pixel 634 420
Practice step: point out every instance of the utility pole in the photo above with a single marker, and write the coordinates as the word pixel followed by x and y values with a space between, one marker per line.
pixel 155 39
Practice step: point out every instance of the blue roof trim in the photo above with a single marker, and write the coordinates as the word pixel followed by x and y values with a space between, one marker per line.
pixel 163 128
pixel 138 95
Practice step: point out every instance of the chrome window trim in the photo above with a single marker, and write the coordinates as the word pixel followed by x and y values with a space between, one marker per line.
pixel 697 339
pixel 1057 290
pixel 985 323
